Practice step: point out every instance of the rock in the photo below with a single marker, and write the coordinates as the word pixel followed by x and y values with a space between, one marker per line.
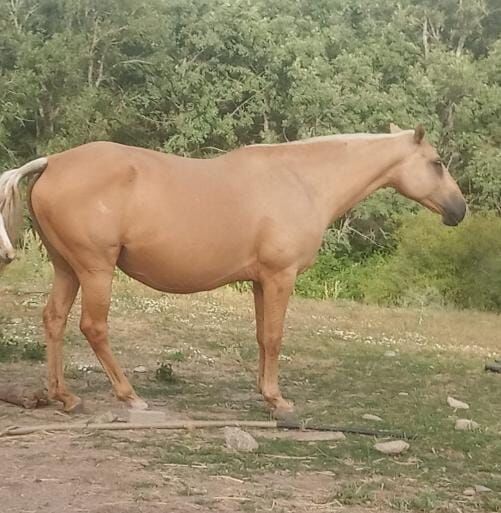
pixel 147 417
pixel 482 489
pixel 369 416
pixel 457 405
pixel 469 492
pixel 239 440
pixel 493 367
pixel 393 447
pixel 140 369
pixel 390 354
pixel 103 418
pixel 23 396
pixel 466 425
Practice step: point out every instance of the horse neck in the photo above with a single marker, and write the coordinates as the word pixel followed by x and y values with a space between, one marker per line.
pixel 341 173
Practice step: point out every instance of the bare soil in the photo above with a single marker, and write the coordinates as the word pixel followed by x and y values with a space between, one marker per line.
pixel 333 365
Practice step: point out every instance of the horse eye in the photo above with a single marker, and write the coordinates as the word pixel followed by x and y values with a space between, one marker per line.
pixel 439 164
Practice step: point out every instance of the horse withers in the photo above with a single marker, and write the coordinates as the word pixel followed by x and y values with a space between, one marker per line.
pixel 184 225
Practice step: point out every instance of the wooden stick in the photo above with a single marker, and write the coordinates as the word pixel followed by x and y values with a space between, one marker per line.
pixel 122 426
pixel 194 424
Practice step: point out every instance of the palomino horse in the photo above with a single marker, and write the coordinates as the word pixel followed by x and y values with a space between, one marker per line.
pixel 185 225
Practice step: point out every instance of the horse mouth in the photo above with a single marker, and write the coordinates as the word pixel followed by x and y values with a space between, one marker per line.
pixel 7 257
pixel 452 212
pixel 449 220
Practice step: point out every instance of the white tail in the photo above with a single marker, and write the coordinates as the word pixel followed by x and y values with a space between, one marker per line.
pixel 11 207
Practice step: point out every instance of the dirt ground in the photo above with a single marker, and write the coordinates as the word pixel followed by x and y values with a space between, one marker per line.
pixel 57 475
pixel 209 340
pixel 66 472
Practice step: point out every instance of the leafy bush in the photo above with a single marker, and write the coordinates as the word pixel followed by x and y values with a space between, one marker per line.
pixel 435 264
pixel 331 278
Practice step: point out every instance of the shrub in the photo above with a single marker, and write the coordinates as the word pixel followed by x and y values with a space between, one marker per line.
pixel 434 264
pixel 331 278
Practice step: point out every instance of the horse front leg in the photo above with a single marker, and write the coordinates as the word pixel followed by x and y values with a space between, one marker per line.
pixel 277 289
pixel 259 308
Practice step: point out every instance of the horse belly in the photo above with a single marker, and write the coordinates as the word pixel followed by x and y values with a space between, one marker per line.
pixel 186 268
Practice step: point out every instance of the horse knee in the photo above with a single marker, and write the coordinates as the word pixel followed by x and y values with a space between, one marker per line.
pixel 53 320
pixel 272 345
pixel 95 331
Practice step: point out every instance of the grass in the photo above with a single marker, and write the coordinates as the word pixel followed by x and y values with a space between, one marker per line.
pixel 201 356
pixel 336 377
pixel 16 342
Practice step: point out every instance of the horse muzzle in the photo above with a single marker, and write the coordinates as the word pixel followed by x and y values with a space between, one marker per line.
pixel 453 212
pixel 6 256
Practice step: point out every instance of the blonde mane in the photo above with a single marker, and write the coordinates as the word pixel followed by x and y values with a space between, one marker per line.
pixel 340 137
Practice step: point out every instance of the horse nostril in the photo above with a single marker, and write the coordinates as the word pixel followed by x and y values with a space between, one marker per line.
pixel 460 211
pixel 7 257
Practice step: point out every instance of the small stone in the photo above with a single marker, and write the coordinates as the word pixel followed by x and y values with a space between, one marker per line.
pixel 466 425
pixel 493 367
pixel 140 369
pixel 469 492
pixel 457 405
pixel 147 417
pixel 393 447
pixel 239 440
pixel 103 418
pixel 369 416
pixel 390 354
pixel 482 489
pixel 403 394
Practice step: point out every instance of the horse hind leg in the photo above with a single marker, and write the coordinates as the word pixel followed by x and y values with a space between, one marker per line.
pixel 62 296
pixel 96 297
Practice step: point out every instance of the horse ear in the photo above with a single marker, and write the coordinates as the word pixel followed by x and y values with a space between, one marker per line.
pixel 394 128
pixel 418 134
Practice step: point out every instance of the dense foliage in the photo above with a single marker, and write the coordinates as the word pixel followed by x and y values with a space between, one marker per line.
pixel 430 265
pixel 197 77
